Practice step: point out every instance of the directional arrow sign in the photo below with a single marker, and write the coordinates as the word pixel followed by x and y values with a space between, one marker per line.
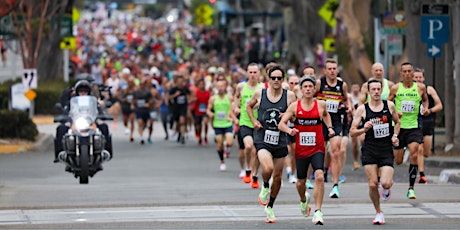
pixel 434 50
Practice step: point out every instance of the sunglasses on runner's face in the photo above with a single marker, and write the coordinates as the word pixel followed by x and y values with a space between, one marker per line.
pixel 276 77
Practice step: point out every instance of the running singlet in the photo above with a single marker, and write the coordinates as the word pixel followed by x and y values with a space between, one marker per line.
pixel 333 95
pixel 269 116
pixel 407 101
pixel 202 98
pixel 246 95
pixel 378 139
pixel 310 139
pixel 221 108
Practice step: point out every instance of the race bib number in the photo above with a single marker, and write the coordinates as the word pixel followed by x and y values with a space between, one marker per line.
pixel 202 108
pixel 382 130
pixel 154 115
pixel 307 138
pixel 221 115
pixel 140 103
pixel 129 98
pixel 407 106
pixel 332 106
pixel 271 137
pixel 181 99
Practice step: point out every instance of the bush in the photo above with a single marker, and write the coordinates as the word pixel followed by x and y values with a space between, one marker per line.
pixel 17 124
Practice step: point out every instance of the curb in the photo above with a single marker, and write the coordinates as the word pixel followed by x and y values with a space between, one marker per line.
pixel 43 142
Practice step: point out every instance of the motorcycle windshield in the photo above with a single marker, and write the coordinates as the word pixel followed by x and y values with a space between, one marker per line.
pixel 83 106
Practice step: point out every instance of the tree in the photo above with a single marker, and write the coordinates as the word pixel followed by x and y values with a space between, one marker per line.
pixel 36 26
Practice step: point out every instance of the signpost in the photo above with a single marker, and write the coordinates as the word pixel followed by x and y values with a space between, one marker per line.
pixel 435 31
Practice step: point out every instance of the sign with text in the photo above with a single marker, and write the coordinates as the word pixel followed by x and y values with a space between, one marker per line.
pixel 29 78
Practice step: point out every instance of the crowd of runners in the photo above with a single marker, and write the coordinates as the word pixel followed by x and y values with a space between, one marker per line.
pixel 193 81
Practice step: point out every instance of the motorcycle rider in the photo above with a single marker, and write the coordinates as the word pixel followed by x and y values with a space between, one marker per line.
pixel 81 88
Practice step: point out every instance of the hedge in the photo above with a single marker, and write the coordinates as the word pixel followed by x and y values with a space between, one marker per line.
pixel 17 124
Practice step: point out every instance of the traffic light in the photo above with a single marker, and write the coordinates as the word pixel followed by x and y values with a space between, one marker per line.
pixel 212 1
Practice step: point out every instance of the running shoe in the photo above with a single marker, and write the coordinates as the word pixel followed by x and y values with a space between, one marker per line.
pixel 318 218
pixel 223 167
pixel 247 178
pixel 379 219
pixel 355 165
pixel 255 184
pixel 342 179
pixel 334 192
pixel 270 215
pixel 242 173
pixel 385 194
pixel 200 142
pixel 292 179
pixel 182 140
pixel 127 132
pixel 422 180
pixel 149 141
pixel 142 142
pixel 305 206
pixel 206 141
pixel 309 185
pixel 263 196
pixel 411 194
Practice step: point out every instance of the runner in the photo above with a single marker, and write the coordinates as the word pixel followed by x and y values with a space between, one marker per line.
pixel 126 97
pixel 377 150
pixel 270 143
pixel 180 94
pixel 309 114
pixel 407 96
pixel 141 103
pixel 199 113
pixel 219 111
pixel 355 97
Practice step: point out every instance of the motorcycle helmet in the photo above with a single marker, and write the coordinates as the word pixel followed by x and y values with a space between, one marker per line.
pixel 82 86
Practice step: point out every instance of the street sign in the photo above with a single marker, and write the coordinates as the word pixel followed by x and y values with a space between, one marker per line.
pixel 395 44
pixel 204 14
pixel 327 12
pixel 433 50
pixel 30 94
pixel 388 31
pixel 435 26
pixel 29 78
pixel 329 44
pixel 68 43
pixel 75 15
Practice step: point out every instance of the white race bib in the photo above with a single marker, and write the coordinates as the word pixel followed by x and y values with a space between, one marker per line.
pixel 307 138
pixel 332 106
pixel 140 103
pixel 407 106
pixel 181 99
pixel 271 137
pixel 129 98
pixel 382 130
pixel 221 115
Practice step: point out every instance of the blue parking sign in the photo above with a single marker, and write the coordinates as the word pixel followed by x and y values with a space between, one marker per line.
pixel 434 29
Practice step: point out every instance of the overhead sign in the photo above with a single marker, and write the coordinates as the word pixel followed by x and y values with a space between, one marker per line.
pixel 327 12
pixel 435 26
pixel 29 78
pixel 329 44
pixel 68 43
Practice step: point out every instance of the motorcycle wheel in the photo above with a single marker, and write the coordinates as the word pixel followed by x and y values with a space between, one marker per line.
pixel 84 164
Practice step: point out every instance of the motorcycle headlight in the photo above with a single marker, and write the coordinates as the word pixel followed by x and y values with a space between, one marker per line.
pixel 82 123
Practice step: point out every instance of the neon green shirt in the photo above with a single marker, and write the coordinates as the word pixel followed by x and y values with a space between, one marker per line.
pixel 221 108
pixel 246 95
pixel 407 101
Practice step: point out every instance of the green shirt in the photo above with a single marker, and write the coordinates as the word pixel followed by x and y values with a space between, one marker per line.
pixel 246 95
pixel 221 108
pixel 407 101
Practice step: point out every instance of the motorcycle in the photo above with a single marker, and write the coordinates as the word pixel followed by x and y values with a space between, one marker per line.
pixel 83 143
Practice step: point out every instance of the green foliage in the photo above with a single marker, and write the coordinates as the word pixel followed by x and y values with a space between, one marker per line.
pixel 17 124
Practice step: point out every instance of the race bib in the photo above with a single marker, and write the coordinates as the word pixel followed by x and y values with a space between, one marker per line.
pixel 332 106
pixel 181 99
pixel 154 115
pixel 382 130
pixel 221 115
pixel 140 103
pixel 307 138
pixel 407 106
pixel 129 98
pixel 271 137
pixel 202 108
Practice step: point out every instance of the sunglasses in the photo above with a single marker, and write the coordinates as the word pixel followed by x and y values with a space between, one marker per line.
pixel 276 78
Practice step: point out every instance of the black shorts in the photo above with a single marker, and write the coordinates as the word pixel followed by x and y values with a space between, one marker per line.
pixel 380 158
pixel 199 118
pixel 291 139
pixel 337 124
pixel 179 111
pixel 143 114
pixel 277 152
pixel 240 139
pixel 317 163
pixel 223 131
pixel 407 136
pixel 427 127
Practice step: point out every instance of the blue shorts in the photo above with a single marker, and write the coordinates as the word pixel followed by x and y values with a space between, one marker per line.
pixel 222 131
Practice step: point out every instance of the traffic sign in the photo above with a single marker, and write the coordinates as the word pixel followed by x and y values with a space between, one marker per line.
pixel 30 94
pixel 388 31
pixel 433 50
pixel 329 44
pixel 68 43
pixel 435 26
pixel 327 12
pixel 29 78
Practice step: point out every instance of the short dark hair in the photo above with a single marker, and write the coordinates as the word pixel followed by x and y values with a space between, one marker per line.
pixel 273 68
pixel 407 63
pixel 420 70
pixel 373 80
pixel 309 67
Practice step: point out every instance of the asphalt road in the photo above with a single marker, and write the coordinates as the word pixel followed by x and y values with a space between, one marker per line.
pixel 170 186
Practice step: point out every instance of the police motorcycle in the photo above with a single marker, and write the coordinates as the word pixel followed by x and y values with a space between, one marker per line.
pixel 83 144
